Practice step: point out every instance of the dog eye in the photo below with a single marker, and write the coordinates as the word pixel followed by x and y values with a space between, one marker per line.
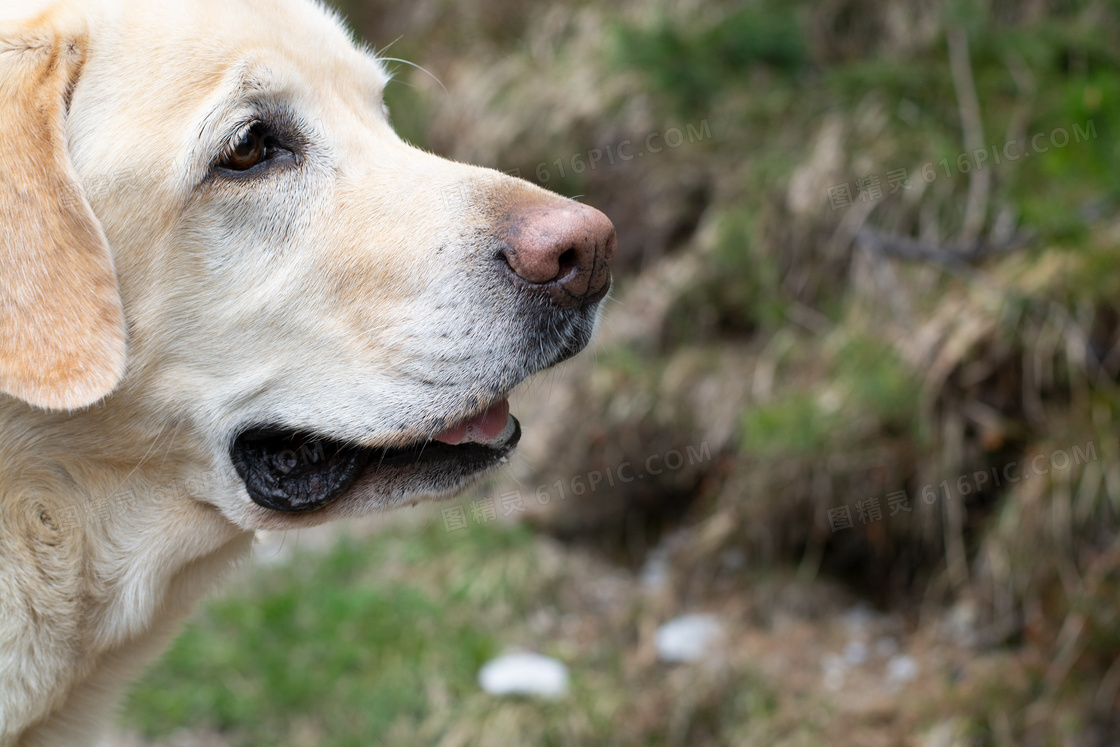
pixel 251 148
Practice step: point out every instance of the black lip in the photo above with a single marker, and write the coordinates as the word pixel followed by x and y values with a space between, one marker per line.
pixel 294 471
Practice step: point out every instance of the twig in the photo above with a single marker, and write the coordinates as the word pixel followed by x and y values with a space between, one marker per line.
pixel 957 258
pixel 979 182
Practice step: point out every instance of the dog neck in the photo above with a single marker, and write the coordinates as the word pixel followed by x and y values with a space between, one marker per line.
pixel 101 554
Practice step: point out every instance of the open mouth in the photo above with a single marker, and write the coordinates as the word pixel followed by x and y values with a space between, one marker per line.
pixel 294 471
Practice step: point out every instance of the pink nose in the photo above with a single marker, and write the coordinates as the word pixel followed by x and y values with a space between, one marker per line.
pixel 561 249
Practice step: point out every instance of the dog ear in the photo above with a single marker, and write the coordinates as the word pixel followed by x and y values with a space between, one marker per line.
pixel 62 333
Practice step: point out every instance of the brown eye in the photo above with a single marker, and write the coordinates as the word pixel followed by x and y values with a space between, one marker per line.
pixel 247 151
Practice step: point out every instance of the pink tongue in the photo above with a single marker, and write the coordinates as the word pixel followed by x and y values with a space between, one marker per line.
pixel 484 427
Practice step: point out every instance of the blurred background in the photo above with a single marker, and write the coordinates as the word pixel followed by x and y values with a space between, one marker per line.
pixel 842 467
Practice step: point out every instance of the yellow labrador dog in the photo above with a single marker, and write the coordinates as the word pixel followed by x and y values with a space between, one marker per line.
pixel 231 298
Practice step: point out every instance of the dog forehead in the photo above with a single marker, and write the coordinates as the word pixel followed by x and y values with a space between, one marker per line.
pixel 163 73
pixel 156 34
pixel 214 32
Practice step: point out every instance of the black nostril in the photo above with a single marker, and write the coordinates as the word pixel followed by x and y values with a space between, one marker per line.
pixel 568 261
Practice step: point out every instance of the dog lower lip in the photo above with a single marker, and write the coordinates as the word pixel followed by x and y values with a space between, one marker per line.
pixel 293 471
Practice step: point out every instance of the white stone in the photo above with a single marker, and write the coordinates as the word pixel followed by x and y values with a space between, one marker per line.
pixel 834 668
pixel 655 571
pixel 855 653
pixel 886 647
pixel 859 618
pixel 524 674
pixel 688 639
pixel 901 669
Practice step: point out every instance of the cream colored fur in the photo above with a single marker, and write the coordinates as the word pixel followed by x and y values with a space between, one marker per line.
pixel 326 297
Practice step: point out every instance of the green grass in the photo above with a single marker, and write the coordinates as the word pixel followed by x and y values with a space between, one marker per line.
pixel 693 63
pixel 738 294
pixel 379 641
pixel 870 393
pixel 353 641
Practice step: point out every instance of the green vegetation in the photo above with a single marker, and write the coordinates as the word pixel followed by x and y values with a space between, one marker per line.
pixel 694 63
pixel 353 641
pixel 868 394
pixel 379 641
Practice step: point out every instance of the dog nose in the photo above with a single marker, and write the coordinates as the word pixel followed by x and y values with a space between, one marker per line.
pixel 562 250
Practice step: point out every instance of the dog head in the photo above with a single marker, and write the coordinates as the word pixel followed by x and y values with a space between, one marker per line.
pixel 207 221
